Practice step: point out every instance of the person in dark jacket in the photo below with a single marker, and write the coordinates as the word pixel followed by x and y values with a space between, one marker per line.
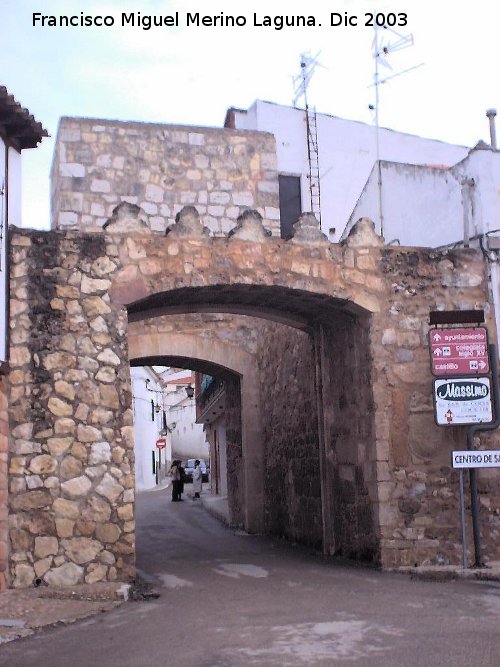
pixel 175 472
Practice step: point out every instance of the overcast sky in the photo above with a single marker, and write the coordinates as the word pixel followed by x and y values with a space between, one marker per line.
pixel 191 75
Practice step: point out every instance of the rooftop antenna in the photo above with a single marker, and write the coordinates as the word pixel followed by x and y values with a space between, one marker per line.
pixel 301 82
pixel 385 41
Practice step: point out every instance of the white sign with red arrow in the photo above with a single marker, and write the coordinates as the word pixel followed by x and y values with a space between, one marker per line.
pixel 464 400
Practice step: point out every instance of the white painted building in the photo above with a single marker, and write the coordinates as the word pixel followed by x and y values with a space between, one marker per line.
pixel 151 463
pixel 347 155
pixel 188 438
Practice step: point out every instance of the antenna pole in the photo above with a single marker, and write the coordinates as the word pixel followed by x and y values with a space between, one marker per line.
pixel 380 49
pixel 377 136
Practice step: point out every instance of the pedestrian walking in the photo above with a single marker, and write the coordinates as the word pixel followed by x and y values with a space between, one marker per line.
pixel 175 472
pixel 182 474
pixel 197 479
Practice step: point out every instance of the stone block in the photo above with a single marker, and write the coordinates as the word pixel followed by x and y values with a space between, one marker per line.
pixel 71 169
pixel 77 487
pixel 68 574
pixel 46 546
pixel 81 550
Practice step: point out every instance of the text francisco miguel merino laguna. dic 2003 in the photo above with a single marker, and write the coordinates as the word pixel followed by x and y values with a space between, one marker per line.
pixel 220 20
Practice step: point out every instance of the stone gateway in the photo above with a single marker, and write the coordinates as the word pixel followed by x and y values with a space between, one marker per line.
pixel 331 438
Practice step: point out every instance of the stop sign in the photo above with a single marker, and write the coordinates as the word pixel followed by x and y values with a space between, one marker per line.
pixel 161 443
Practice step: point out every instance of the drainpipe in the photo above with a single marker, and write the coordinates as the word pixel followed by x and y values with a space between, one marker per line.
pixel 490 114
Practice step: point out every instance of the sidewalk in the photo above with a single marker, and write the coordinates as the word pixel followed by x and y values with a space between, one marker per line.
pixel 451 572
pixel 25 611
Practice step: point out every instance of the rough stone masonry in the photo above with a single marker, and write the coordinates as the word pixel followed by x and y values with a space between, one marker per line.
pixel 372 463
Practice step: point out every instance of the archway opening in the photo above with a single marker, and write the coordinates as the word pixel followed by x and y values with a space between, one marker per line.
pixel 308 466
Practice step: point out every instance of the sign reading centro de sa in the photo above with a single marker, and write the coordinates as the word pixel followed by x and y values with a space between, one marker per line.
pixel 461 351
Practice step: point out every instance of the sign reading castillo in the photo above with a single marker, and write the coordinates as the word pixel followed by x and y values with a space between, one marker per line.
pixel 459 351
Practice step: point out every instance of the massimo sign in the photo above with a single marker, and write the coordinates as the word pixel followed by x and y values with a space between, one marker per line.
pixel 461 401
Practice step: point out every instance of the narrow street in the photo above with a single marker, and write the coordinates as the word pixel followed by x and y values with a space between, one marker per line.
pixel 234 600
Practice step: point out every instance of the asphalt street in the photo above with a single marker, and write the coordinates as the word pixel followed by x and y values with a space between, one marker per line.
pixel 233 600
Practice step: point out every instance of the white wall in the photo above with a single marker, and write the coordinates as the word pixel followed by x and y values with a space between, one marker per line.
pixel 15 189
pixel 421 206
pixel 188 438
pixel 347 153
pixel 3 254
pixel 146 431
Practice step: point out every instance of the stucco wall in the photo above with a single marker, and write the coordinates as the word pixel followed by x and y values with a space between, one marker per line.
pixel 421 206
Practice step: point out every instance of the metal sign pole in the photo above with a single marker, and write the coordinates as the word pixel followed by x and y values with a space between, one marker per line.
pixel 476 528
pixel 462 519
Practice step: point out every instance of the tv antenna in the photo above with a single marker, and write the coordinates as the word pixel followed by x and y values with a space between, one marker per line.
pixel 301 82
pixel 385 41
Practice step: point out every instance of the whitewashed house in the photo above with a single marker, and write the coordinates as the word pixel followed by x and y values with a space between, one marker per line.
pixel 347 153
pixel 188 437
pixel 151 463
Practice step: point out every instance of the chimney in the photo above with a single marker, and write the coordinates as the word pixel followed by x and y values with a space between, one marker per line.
pixel 491 113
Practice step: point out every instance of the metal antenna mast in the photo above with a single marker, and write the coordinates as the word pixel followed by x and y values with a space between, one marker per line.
pixel 381 48
pixel 308 64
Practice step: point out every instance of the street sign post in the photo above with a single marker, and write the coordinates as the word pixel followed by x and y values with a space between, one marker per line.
pixel 460 351
pixel 460 356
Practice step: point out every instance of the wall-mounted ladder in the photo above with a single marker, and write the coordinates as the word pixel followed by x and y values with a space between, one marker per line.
pixel 313 160
pixel 301 82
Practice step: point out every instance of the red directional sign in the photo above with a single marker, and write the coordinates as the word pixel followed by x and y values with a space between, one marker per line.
pixel 459 351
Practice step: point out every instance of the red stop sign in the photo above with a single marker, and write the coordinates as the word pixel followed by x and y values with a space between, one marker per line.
pixel 161 443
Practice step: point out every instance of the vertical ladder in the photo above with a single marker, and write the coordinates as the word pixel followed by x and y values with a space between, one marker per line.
pixel 313 160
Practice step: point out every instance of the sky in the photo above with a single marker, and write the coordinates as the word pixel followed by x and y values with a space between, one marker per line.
pixel 193 74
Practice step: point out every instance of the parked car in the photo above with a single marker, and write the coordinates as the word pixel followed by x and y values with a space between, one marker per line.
pixel 189 468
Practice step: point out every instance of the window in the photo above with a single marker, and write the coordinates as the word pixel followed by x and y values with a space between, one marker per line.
pixel 290 203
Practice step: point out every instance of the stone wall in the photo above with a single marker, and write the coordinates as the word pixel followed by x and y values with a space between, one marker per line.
pixel 350 439
pixel 99 164
pixel 71 486
pixel 71 462
pixel 235 484
pixel 4 449
pixel 290 430
pixel 418 489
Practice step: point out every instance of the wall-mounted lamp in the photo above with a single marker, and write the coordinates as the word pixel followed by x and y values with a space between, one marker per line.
pixel 189 391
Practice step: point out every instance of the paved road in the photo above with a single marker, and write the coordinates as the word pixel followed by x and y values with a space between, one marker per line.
pixel 232 600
